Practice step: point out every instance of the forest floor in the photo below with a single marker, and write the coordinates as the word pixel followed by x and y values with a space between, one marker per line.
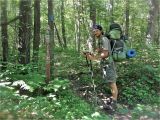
pixel 83 84
pixel 72 67
pixel 123 111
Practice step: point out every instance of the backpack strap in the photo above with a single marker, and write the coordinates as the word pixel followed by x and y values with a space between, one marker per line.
pixel 112 48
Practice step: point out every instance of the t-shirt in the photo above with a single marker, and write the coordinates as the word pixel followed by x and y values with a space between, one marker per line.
pixel 106 46
pixel 108 65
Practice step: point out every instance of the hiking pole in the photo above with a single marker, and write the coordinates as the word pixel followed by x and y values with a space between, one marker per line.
pixel 87 61
pixel 89 64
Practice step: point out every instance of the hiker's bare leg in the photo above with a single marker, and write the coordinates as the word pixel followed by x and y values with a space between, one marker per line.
pixel 114 90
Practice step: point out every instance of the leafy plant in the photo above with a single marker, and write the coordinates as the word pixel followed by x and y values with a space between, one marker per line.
pixel 145 112
pixel 138 81
pixel 57 84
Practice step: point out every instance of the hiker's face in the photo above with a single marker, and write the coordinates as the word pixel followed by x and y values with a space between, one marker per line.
pixel 97 32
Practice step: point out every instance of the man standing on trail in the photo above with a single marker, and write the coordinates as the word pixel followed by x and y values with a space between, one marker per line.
pixel 107 64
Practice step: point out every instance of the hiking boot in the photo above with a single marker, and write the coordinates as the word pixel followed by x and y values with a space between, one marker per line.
pixel 111 105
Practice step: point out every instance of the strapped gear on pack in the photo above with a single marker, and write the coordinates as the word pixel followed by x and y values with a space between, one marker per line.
pixel 118 46
pixel 119 50
pixel 115 34
pixel 115 31
pixel 115 26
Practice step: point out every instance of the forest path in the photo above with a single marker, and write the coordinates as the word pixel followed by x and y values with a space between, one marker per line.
pixel 88 93
pixel 123 111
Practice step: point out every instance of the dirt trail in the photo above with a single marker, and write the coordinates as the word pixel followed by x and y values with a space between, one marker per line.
pixel 87 92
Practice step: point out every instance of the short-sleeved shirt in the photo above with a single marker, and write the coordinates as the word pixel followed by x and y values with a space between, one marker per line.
pixel 106 46
pixel 108 65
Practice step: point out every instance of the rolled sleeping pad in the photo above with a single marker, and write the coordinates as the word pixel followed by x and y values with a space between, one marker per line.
pixel 131 53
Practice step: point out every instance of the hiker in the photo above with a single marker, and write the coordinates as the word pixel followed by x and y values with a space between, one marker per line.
pixel 107 64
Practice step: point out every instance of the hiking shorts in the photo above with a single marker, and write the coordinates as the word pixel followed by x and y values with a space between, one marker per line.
pixel 109 72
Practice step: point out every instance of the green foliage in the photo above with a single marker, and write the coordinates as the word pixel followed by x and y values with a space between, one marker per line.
pixel 138 83
pixel 66 106
pixel 20 73
pixel 57 85
pixel 145 112
pixel 34 79
pixel 139 80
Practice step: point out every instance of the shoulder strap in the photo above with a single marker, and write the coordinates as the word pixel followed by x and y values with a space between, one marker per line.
pixel 114 42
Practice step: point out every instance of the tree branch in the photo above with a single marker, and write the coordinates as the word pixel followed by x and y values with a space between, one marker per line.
pixel 14 19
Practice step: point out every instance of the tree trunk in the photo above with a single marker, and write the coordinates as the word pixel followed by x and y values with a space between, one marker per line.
pixel 48 56
pixel 15 24
pixel 58 36
pixel 158 20
pixel 84 23
pixel 127 19
pixel 151 29
pixel 50 46
pixel 93 19
pixel 77 25
pixel 111 11
pixel 63 24
pixel 51 21
pixel 4 34
pixel 36 40
pixel 24 31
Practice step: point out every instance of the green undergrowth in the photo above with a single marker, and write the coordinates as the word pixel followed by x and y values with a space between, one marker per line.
pixel 65 106
pixel 138 83
pixel 146 112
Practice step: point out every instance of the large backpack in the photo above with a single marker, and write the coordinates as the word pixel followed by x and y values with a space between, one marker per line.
pixel 118 46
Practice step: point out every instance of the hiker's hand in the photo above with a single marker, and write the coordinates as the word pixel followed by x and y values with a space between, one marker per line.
pixel 90 57
pixel 99 50
pixel 86 53
pixel 104 54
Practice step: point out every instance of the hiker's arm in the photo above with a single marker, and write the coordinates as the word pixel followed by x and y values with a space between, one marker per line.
pixel 102 55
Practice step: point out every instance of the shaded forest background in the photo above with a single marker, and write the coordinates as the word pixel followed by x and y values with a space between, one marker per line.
pixel 41 46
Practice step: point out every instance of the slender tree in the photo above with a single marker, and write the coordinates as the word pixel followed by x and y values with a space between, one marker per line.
pixel 4 34
pixel 50 43
pixel 93 18
pixel 51 21
pixel 48 56
pixel 158 20
pixel 151 29
pixel 92 11
pixel 127 19
pixel 58 36
pixel 111 11
pixel 36 40
pixel 85 22
pixel 24 31
pixel 77 25
pixel 63 24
